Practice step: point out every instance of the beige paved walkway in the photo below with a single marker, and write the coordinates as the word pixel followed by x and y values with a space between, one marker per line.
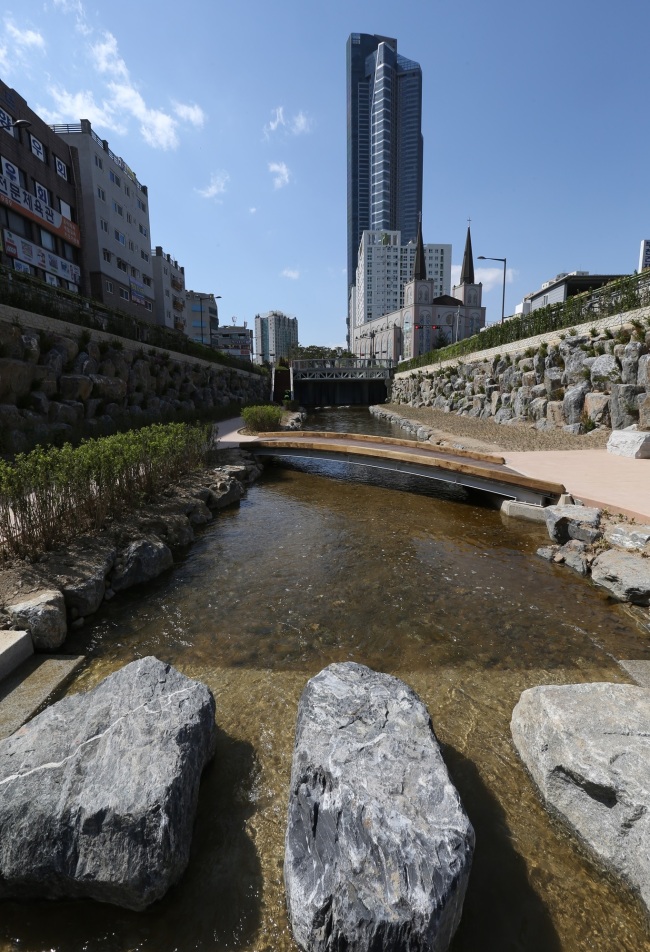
pixel 596 477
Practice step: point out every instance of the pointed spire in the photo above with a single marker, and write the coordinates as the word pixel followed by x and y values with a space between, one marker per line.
pixel 420 266
pixel 467 271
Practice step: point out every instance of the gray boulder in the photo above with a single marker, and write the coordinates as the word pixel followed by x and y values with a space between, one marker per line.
pixel 573 403
pixel 99 792
pixel 141 561
pixel 586 747
pixel 625 575
pixel 574 554
pixel 378 847
pixel 605 371
pixel 624 406
pixel 572 522
pixel 43 615
pixel 81 573
pixel 628 536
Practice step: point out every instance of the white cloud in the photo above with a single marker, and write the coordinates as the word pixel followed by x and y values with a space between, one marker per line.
pixel 70 6
pixel 189 112
pixel 218 185
pixel 280 173
pixel 4 60
pixel 71 107
pixel 107 58
pixel 157 127
pixel 490 278
pixel 295 125
pixel 300 124
pixel 24 39
pixel 292 273
pixel 252 210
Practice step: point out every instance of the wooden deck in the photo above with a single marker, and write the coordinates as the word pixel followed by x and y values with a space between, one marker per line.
pixel 482 471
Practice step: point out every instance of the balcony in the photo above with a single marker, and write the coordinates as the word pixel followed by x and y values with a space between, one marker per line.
pixel 176 284
pixel 177 304
pixel 179 323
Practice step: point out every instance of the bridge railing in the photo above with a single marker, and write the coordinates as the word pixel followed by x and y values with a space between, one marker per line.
pixel 342 363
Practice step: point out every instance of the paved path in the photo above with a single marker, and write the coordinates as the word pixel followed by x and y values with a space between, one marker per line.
pixel 596 477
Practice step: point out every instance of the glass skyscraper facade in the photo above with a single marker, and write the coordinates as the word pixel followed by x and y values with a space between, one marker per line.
pixel 384 138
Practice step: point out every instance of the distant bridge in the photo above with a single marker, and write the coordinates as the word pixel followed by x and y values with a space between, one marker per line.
pixel 482 471
pixel 340 381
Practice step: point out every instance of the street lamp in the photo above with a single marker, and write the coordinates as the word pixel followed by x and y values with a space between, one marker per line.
pixel 503 297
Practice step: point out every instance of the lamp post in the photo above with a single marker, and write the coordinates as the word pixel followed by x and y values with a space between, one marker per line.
pixel 503 297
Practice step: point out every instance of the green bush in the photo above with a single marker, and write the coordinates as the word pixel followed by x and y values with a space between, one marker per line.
pixel 262 419
pixel 51 495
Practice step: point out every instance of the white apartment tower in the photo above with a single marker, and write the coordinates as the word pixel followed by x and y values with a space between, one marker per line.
pixel 384 266
pixel 169 290
pixel 275 334
pixel 114 221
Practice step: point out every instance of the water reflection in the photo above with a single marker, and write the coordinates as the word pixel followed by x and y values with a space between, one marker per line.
pixel 310 570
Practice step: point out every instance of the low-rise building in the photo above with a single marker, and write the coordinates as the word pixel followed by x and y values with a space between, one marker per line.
pixel 169 290
pixel 563 286
pixel 201 317
pixel 234 340
pixel 39 230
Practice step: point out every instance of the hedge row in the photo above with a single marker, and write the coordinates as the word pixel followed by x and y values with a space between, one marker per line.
pixel 52 495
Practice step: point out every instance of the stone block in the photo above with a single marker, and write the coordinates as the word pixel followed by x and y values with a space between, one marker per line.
pixel 632 443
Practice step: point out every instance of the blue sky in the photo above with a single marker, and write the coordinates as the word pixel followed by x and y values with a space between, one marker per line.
pixel 233 114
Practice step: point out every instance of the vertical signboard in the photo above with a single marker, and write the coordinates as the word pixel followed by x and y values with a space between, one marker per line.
pixel 644 257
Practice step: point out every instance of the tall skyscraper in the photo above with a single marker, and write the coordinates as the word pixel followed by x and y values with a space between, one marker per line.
pixel 384 116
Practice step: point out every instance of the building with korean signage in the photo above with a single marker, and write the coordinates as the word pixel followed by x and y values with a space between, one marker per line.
pixel 39 213
pixel 116 254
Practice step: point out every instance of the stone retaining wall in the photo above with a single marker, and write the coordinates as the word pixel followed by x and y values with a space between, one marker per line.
pixel 59 381
pixel 597 376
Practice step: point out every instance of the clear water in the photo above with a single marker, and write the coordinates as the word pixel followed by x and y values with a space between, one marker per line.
pixel 312 569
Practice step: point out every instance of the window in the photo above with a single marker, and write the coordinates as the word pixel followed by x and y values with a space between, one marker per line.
pixel 103 224
pixel 141 205
pixel 42 193
pixel 124 294
pixel 143 230
pixel 144 255
pixel 127 190
pixel 165 270
pixel 134 272
pixel 114 178
pixel 122 265
pixel 47 240
pixel 69 253
pixel 129 218
pixel 107 254
pixel 166 292
pixel 120 237
pixel 100 165
pixel 117 208
pixel 65 209
pixel 147 305
pixel 146 280
pixel 109 286
pixel 101 194
pixel 131 246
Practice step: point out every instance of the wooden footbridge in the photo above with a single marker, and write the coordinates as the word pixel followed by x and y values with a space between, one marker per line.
pixel 482 471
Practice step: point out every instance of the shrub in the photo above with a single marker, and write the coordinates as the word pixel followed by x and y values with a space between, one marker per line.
pixel 51 495
pixel 262 419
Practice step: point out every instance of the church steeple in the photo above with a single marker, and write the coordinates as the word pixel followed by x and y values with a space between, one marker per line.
pixel 467 271
pixel 420 265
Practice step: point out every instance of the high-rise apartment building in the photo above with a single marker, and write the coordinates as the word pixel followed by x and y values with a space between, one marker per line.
pixel 114 220
pixel 384 267
pixel 275 334
pixel 384 141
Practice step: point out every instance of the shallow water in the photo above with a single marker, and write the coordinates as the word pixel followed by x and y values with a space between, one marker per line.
pixel 450 597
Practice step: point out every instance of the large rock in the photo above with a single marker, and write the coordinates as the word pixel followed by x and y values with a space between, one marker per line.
pixel 378 846
pixel 631 442
pixel 586 747
pixel 141 561
pixel 99 792
pixel 572 522
pixel 605 371
pixel 630 536
pixel 625 575
pixel 43 615
pixel 624 406
pixel 80 573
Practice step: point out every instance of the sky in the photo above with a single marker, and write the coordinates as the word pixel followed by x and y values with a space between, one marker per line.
pixel 233 114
